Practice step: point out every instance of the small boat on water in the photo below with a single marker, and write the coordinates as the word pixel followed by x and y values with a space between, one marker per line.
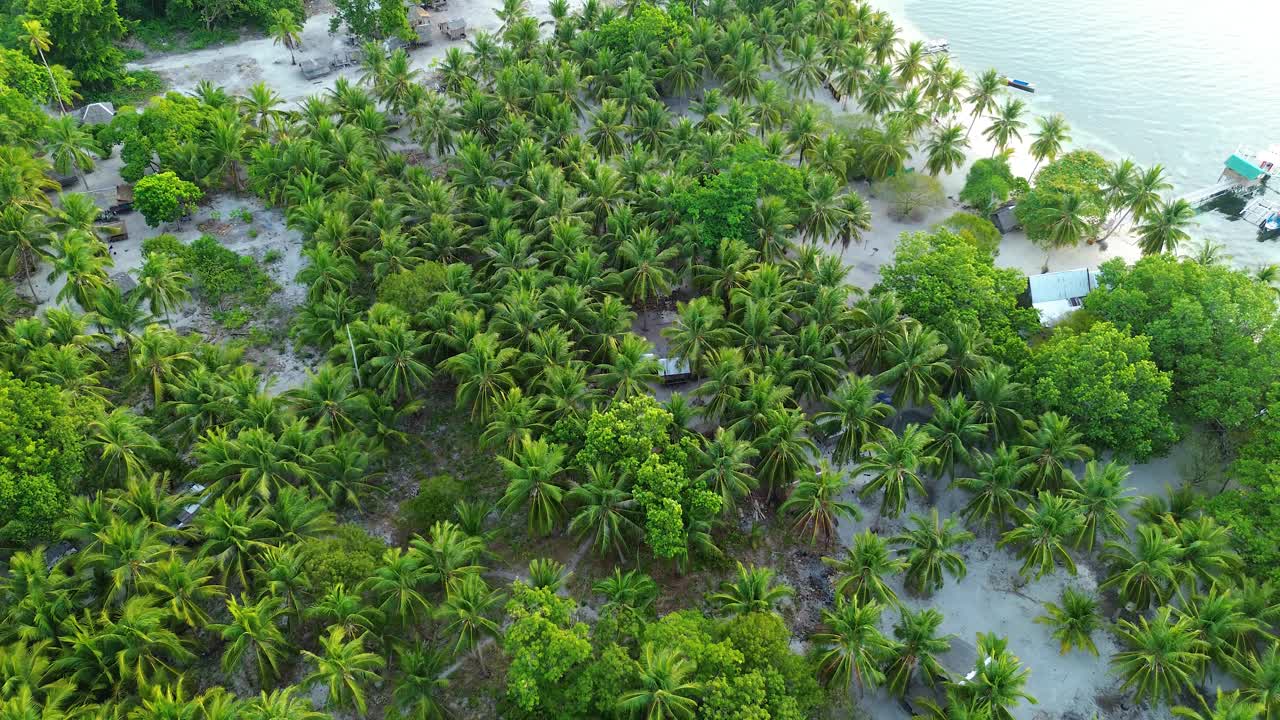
pixel 935 46
pixel 1022 85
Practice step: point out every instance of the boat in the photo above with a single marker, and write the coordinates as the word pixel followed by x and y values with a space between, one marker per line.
pixel 1022 85
pixel 1272 223
pixel 936 46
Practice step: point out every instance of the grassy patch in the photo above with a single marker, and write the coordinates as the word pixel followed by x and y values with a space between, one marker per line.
pixel 137 86
pixel 222 277
pixel 161 35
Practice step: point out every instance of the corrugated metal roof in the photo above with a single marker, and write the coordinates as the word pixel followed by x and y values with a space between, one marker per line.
pixel 1243 167
pixel 1062 285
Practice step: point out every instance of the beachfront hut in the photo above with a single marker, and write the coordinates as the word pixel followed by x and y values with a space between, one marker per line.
pixel 1058 294
pixel 312 69
pixel 98 113
pixel 672 371
pixel 1004 218
pixel 124 282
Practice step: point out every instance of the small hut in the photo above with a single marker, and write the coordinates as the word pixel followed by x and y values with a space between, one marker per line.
pixel 1005 219
pixel 124 282
pixel 312 69
pixel 98 113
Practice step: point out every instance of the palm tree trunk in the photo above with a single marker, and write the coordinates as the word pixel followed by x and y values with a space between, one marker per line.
pixel 971 124
pixel 1117 224
pixel 52 83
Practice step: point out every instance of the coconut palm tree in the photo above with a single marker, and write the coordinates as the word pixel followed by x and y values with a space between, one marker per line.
pixel 1162 656
pixel 82 261
pixel 163 286
pixel 985 95
pixel 945 150
pixel 1206 550
pixel 995 495
pixel 753 591
pixel 1165 227
pixel 1102 500
pixel 1048 525
pixel 1052 134
pixel 815 499
pixel 1146 573
pixel 699 328
pixel 254 631
pixel 727 460
pixel 804 63
pixel 896 462
pixel 1049 452
pixel 1074 621
pixel 916 650
pixel 469 603
pixel 666 690
pixel 24 243
pixel 915 365
pixel 122 447
pixel 929 551
pixel 856 415
pixel 887 149
pixel 605 510
pixel 1227 706
pixel 631 368
pixel 345 668
pixel 1221 623
pixel 820 208
pixel 1064 221
pixel 285 30
pixel 854 220
pixel 861 572
pixel 851 647
pixel 534 483
pixel 1261 680
pixel 645 275
pixel 484 373
pixel 34 35
pixel 398 584
pixel 953 432
pixel 69 147
pixel 999 679
pixel 1007 125
pixel 419 688
pixel 879 91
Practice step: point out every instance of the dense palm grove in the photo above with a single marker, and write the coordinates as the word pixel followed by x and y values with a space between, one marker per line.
pixel 188 544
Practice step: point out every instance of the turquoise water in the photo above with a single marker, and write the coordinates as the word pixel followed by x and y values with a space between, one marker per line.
pixel 1180 82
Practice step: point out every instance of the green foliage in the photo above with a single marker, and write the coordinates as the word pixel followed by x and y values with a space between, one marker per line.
pixel 135 86
pixel 1083 173
pixel 41 454
pixel 220 274
pixel 1104 379
pixel 434 502
pixel 349 557
pixel 164 197
pixel 19 72
pixel 547 650
pixel 910 195
pixel 989 184
pixel 412 290
pixel 720 206
pixel 368 19
pixel 83 35
pixel 1211 327
pixel 647 29
pixel 20 118
pixel 944 280
pixel 977 230
pixel 633 439
pixel 150 138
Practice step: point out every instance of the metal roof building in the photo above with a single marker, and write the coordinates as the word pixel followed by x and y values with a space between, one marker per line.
pixel 1056 294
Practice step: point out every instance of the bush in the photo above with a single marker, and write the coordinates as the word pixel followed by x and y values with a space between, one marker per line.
pixel 722 204
pixel 989 184
pixel 977 230
pixel 434 502
pixel 412 290
pixel 910 195
pixel 164 197
pixel 349 557
pixel 220 274
pixel 1082 172
pixel 41 451
pixel 648 26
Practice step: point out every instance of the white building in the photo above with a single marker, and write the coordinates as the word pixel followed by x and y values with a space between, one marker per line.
pixel 1056 294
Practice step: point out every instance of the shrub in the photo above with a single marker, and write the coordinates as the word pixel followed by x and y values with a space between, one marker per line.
pixel 1083 173
pixel 647 26
pixel 722 204
pixel 220 274
pixel 349 557
pixel 164 197
pixel 434 502
pixel 412 290
pixel 910 195
pixel 989 184
pixel 41 451
pixel 977 230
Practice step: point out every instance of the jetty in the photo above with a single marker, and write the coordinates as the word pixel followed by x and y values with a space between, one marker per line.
pixel 1244 172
